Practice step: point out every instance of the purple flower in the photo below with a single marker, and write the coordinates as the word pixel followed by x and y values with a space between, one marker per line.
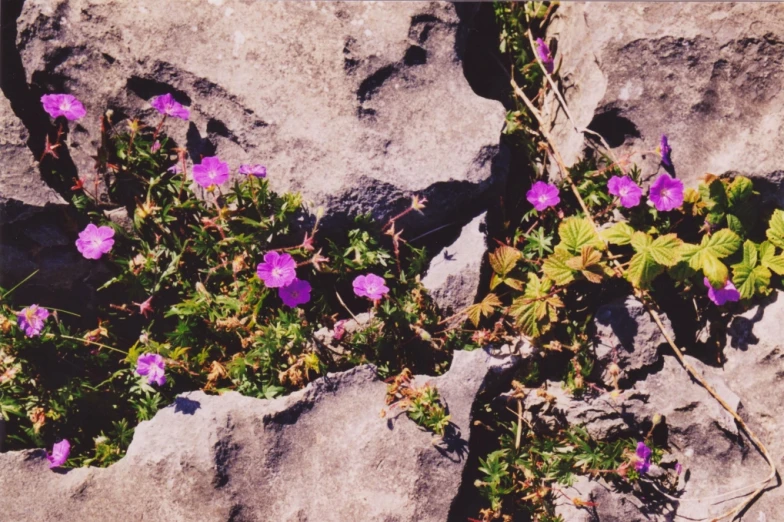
pixel 544 54
pixel 666 193
pixel 339 330
pixel 211 171
pixel 168 106
pixel 277 270
pixel 95 241
pixel 59 454
pixel 152 365
pixel 155 147
pixel 643 461
pixel 175 169
pixel 370 286
pixel 295 293
pixel 543 195
pixel 665 151
pixel 626 189
pixel 723 295
pixel 678 468
pixel 63 105
pixel 260 171
pixel 31 320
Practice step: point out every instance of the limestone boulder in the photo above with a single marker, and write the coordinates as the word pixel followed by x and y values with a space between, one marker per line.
pixel 357 105
pixel 710 76
pixel 322 454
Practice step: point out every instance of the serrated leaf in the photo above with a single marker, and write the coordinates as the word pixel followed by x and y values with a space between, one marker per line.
pixel 513 283
pixel 714 196
pixel 706 256
pixel 555 267
pixel 575 233
pixel 504 259
pixel 750 281
pixel 641 241
pixel 535 309
pixel 643 269
pixel 735 224
pixel 495 280
pixel 769 259
pixel 775 230
pixel 618 234
pixel 587 258
pixel 739 190
pixel 665 249
pixel 594 274
pixel 716 271
pixel 749 278
pixel 484 308
pixel 750 256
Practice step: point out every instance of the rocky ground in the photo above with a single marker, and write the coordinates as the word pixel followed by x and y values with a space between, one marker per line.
pixel 359 106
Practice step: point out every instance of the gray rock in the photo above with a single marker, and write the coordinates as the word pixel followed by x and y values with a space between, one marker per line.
pixel 321 454
pixel 454 273
pixel 553 408
pixel 627 336
pixel 610 505
pixel 754 369
pixel 708 75
pixel 19 176
pixel 357 105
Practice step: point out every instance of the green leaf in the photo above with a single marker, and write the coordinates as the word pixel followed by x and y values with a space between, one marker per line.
pixel 536 308
pixel 748 276
pixel 735 224
pixel 739 190
pixel 775 230
pixel 504 259
pixel 750 281
pixel 643 269
pixel 555 267
pixel 665 250
pixel 651 257
pixel 484 308
pixel 750 254
pixel 575 233
pixel 641 241
pixel 769 259
pixel 618 234
pixel 588 263
pixel 706 256
pixel 715 197
pixel 716 271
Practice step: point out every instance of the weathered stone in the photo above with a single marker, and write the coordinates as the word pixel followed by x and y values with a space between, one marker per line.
pixel 321 454
pixel 454 273
pixel 19 177
pixel 553 408
pixel 754 369
pixel 627 336
pixel 356 105
pixel 609 504
pixel 708 75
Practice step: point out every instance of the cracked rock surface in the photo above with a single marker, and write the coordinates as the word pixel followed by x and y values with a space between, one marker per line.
pixel 321 454
pixel 701 435
pixel 708 75
pixel 356 105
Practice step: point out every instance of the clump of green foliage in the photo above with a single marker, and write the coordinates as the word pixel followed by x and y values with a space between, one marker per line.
pixel 423 404
pixel 183 285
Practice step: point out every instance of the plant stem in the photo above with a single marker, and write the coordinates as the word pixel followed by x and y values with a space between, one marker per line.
pixel 93 342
